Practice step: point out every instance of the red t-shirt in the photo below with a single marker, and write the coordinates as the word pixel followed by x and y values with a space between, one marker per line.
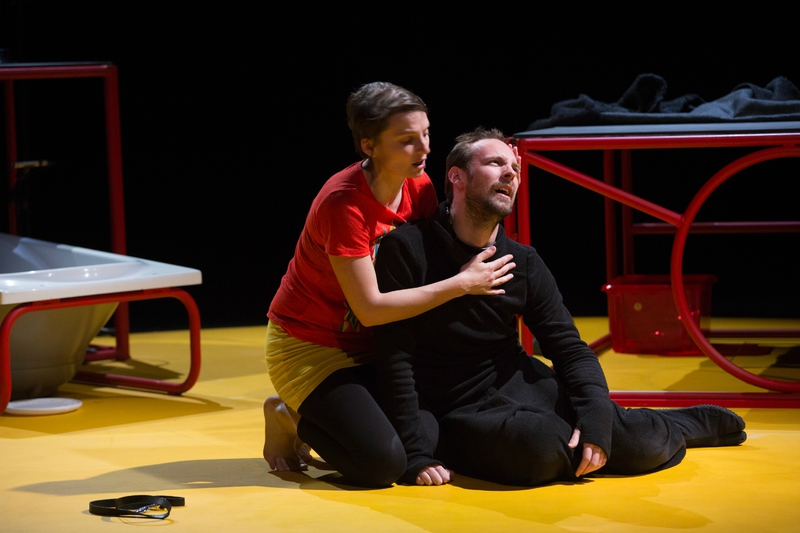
pixel 344 220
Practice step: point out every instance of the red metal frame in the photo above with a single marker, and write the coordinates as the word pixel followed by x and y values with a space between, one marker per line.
pixel 109 76
pixel 173 388
pixel 778 145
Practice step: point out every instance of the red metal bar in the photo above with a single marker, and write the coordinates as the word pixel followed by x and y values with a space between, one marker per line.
pixel 523 206
pixel 626 175
pixel 113 137
pixel 655 228
pixel 173 388
pixel 97 352
pixel 116 195
pixel 676 267
pixel 770 400
pixel 518 225
pixel 657 141
pixel 788 394
pixel 116 199
pixel 745 333
pixel 610 210
pixel 35 71
pixel 109 75
pixel 601 345
pixel 11 151
pixel 597 186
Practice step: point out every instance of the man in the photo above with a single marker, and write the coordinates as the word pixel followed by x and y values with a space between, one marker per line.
pixel 502 415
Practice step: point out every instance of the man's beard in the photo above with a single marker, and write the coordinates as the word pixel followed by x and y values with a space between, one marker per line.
pixel 484 211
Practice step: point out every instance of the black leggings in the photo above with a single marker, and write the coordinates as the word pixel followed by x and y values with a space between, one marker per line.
pixel 343 423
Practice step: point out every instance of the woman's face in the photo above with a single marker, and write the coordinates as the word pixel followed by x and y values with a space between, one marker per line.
pixel 402 149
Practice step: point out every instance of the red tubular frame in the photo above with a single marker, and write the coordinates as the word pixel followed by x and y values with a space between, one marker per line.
pixel 109 76
pixel 676 267
pixel 11 149
pixel 106 379
pixel 779 145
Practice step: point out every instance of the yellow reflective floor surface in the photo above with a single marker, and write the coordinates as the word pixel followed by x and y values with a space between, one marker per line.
pixel 205 446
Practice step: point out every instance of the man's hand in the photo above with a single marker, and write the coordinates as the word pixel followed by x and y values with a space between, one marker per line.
pixel 434 475
pixel 593 457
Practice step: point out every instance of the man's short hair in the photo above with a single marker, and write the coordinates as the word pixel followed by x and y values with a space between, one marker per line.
pixel 369 109
pixel 461 154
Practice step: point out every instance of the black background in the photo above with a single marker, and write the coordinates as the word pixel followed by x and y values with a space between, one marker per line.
pixel 233 117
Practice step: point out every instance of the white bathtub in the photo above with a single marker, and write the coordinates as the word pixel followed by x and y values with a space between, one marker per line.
pixel 48 346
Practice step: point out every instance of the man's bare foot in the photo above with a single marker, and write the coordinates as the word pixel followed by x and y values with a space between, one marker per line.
pixel 282 449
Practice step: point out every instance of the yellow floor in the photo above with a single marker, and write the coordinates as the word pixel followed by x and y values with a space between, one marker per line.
pixel 206 446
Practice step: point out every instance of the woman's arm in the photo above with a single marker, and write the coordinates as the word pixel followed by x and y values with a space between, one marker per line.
pixel 356 276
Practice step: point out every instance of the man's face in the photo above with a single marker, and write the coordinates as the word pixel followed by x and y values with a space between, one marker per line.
pixel 492 180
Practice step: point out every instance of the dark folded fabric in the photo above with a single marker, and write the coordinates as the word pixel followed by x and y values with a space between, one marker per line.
pixel 645 103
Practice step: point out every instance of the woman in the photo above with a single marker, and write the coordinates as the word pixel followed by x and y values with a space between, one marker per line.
pixel 319 340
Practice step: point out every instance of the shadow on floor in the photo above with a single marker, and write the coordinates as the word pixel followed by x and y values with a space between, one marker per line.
pixel 181 476
pixel 107 408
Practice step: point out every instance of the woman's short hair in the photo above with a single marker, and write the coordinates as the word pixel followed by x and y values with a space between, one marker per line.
pixel 369 109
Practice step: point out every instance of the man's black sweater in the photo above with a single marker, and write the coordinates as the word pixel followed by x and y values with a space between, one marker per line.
pixel 461 352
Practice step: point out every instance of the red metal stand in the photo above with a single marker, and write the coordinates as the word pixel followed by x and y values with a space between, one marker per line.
pixel 108 74
pixel 173 388
pixel 775 140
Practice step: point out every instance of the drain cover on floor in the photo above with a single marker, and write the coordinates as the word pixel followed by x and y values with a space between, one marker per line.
pixel 43 406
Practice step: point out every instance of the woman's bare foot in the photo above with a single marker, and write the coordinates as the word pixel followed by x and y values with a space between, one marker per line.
pixel 283 450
